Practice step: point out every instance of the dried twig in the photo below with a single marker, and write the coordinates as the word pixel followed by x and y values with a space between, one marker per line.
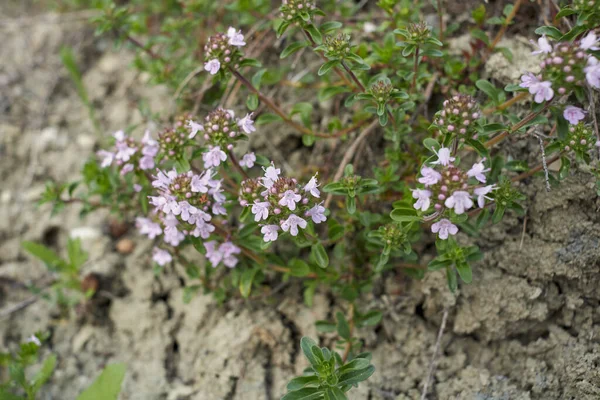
pixel 433 364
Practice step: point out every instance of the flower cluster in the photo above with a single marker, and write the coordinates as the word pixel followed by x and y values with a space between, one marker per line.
pixel 581 139
pixel 281 203
pixel 293 9
pixel 129 155
pixel 185 205
pixel 447 187
pixel 565 67
pixel 223 50
pixel 173 141
pixel 381 90
pixel 337 47
pixel 222 252
pixel 221 130
pixel 459 115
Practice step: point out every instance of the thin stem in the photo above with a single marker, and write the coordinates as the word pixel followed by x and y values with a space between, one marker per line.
pixel 353 76
pixel 498 138
pixel 349 343
pixel 507 103
pixel 440 19
pixel 277 110
pixel 139 45
pixel 507 22
pixel 415 69
pixel 433 364
pixel 536 169
pixel 237 165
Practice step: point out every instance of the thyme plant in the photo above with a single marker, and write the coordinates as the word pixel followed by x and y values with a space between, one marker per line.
pixel 438 179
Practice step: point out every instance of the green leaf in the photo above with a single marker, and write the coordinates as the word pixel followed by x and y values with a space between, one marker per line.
pixel 302 381
pixel 352 377
pixel 298 267
pixel 565 12
pixel 479 147
pixel 431 144
pixel 325 326
pixel 304 394
pixel 282 28
pixel 371 318
pixel 439 263
pixel 250 62
pixel 464 270
pixel 342 326
pixel 452 281
pixel 328 66
pixel 107 386
pixel 246 281
pixel 351 204
pixel 314 33
pixel 252 101
pixel 308 140
pixel 48 256
pixel 292 48
pixel 330 26
pixel 405 215
pixel 320 255
pixel 355 365
pixel 334 393
pixel 549 31
pixel 77 256
pixel 45 373
pixel 267 118
pixel 306 344
pixel 489 89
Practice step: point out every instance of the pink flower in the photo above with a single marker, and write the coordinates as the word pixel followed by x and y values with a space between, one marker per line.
pixel 317 213
pixel 292 223
pixel 312 186
pixel 542 91
pixel 194 128
pixel 127 168
pixel 235 37
pixel 119 136
pixel 200 183
pixel 271 175
pixel 163 181
pixel 544 47
pixel 289 199
pixel 444 157
pixel 247 124
pixel 423 199
pixel 528 80
pixel 146 162
pixel 148 227
pixel 213 157
pixel 429 176
pixel 161 257
pixel 218 209
pixel 260 210
pixel 212 66
pixel 270 232
pixel 573 114
pixel 459 201
pixel 124 152
pixel 481 194
pixel 203 229
pixel 224 252
pixel 147 139
pixel 107 158
pixel 589 42
pixel 248 160
pixel 444 228
pixel 34 339
pixel 477 171
pixel 592 72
